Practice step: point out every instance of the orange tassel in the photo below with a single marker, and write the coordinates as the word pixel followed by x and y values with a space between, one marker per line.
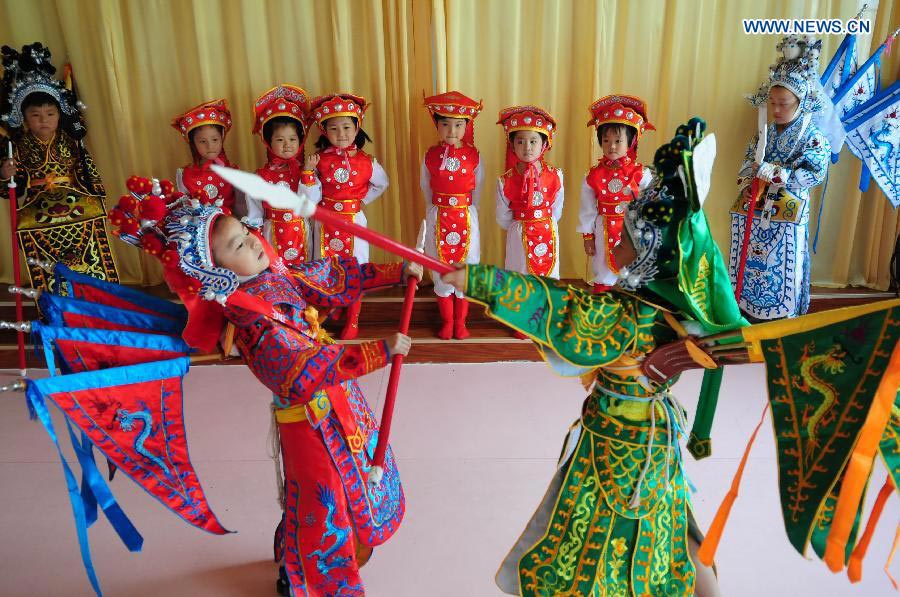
pixel 854 567
pixel 859 464
pixel 887 565
pixel 707 552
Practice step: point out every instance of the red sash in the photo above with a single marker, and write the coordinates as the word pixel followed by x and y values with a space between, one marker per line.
pixel 615 184
pixel 535 212
pixel 289 233
pixel 454 227
pixel 335 241
pixel 452 179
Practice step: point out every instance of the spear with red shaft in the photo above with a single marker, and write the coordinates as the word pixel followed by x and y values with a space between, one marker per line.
pixel 756 189
pixel 282 197
pixel 17 276
pixel 387 413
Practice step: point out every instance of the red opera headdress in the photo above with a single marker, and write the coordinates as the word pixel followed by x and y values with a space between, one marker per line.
pixel 176 229
pixel 454 104
pixel 621 109
pixel 284 100
pixel 340 104
pixel 527 118
pixel 211 112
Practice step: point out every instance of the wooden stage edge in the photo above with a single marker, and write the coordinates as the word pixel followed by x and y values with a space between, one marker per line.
pixel 489 342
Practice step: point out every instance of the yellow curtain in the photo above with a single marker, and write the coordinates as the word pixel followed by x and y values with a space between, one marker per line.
pixel 140 62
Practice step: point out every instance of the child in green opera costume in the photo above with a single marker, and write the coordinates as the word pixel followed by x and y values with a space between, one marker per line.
pixel 616 519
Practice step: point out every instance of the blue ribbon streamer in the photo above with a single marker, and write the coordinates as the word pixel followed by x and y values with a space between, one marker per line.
pixel 819 216
pixel 865 178
pixel 37 401
pixel 88 498
pixel 100 493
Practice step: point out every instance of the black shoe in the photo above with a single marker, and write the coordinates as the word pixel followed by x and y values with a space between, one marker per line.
pixel 282 585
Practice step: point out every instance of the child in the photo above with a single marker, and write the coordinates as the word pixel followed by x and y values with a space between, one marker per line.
pixel 204 128
pixel 60 210
pixel 279 120
pixel 617 517
pixel 451 182
pixel 530 193
pixel 223 270
pixel 349 179
pixel 612 183
pixel 774 266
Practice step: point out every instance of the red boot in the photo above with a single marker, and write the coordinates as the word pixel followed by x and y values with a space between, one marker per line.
pixel 461 308
pixel 351 324
pixel 445 306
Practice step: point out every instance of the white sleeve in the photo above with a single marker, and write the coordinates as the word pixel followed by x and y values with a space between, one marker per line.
pixel 646 177
pixel 425 184
pixel 255 212
pixel 503 212
pixel 179 181
pixel 377 184
pixel 560 197
pixel 479 180
pixel 313 191
pixel 587 210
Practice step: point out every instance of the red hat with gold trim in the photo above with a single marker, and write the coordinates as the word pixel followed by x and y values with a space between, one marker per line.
pixel 453 104
pixel 621 109
pixel 338 104
pixel 527 118
pixel 285 100
pixel 211 112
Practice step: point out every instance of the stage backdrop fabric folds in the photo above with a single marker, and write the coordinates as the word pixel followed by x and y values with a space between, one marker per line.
pixel 140 62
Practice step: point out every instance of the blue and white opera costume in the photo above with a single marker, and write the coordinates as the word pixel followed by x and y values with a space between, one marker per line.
pixel 796 159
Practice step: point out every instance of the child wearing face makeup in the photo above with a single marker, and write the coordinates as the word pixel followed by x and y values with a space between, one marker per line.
pixel 224 271
pixel 450 180
pixel 614 181
pixel 204 128
pixel 345 179
pixel 530 192
pixel 279 116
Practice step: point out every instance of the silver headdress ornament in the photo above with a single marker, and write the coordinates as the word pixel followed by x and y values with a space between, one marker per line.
pixel 30 71
pixel 646 235
pixel 797 69
pixel 176 229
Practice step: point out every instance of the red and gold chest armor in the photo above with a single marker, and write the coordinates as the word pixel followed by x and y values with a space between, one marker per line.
pixel 535 210
pixel 614 183
pixel 452 179
pixel 201 178
pixel 289 233
pixel 345 182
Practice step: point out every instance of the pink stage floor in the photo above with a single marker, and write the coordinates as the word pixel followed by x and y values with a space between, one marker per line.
pixel 476 446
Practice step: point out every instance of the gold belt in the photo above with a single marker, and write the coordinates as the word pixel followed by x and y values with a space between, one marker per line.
pixel 320 406
pixel 50 181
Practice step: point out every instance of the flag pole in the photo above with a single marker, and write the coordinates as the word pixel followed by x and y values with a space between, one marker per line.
pixel 17 275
